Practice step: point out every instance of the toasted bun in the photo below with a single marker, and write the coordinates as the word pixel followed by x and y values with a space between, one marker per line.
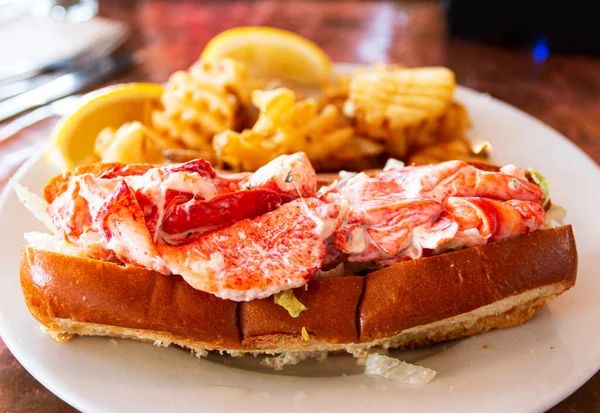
pixel 409 304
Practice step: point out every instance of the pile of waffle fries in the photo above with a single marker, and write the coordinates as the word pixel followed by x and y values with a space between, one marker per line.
pixel 218 112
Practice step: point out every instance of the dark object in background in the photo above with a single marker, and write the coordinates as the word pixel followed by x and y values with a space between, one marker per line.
pixel 559 26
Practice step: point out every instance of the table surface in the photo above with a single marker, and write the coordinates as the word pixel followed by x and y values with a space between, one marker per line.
pixel 562 91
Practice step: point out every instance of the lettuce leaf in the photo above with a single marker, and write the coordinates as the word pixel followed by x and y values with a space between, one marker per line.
pixel 288 300
pixel 543 183
pixel 393 164
pixel 555 216
pixel 400 371
pixel 36 205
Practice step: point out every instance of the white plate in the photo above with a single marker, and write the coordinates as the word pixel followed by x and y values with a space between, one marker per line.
pixel 526 368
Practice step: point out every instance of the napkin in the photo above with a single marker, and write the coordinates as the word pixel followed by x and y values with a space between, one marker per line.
pixel 29 43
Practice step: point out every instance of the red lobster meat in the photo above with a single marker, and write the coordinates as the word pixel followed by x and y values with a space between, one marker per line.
pixel 248 236
pixel 399 213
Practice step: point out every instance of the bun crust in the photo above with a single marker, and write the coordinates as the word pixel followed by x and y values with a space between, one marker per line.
pixel 330 315
pixel 58 286
pixel 422 291
pixel 408 304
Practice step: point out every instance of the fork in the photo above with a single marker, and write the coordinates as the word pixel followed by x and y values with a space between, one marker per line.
pixel 59 107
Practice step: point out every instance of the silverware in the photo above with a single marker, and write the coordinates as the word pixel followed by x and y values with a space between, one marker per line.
pixel 22 86
pixel 65 85
pixel 14 86
pixel 28 71
pixel 60 107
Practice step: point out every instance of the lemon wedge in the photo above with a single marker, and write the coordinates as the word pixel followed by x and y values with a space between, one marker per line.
pixel 72 139
pixel 272 53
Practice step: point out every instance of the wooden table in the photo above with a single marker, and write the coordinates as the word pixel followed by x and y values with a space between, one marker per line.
pixel 563 91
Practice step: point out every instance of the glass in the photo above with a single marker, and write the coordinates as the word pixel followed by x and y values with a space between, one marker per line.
pixel 73 10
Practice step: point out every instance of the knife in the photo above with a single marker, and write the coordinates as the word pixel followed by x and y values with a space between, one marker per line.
pixel 65 85
pixel 59 107
pixel 26 70
pixel 10 89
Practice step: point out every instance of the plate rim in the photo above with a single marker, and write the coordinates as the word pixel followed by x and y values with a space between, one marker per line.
pixel 79 403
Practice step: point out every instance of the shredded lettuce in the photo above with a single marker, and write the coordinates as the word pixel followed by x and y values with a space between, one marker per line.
pixel 543 183
pixel 393 164
pixel 48 242
pixel 305 335
pixel 400 371
pixel 337 271
pixel 555 216
pixel 36 205
pixel 288 300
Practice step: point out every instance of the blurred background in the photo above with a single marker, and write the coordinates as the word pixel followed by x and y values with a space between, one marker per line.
pixel 539 56
pixel 507 48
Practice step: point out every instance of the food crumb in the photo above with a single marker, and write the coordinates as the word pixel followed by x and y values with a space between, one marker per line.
pixel 113 341
pixel 305 335
pixel 485 347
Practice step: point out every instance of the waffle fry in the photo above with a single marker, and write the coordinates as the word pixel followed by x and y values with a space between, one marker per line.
pixel 131 143
pixel 215 111
pixel 335 92
pixel 451 125
pixel 284 126
pixel 393 104
pixel 457 149
pixel 357 154
pixel 180 155
pixel 202 102
pixel 401 96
